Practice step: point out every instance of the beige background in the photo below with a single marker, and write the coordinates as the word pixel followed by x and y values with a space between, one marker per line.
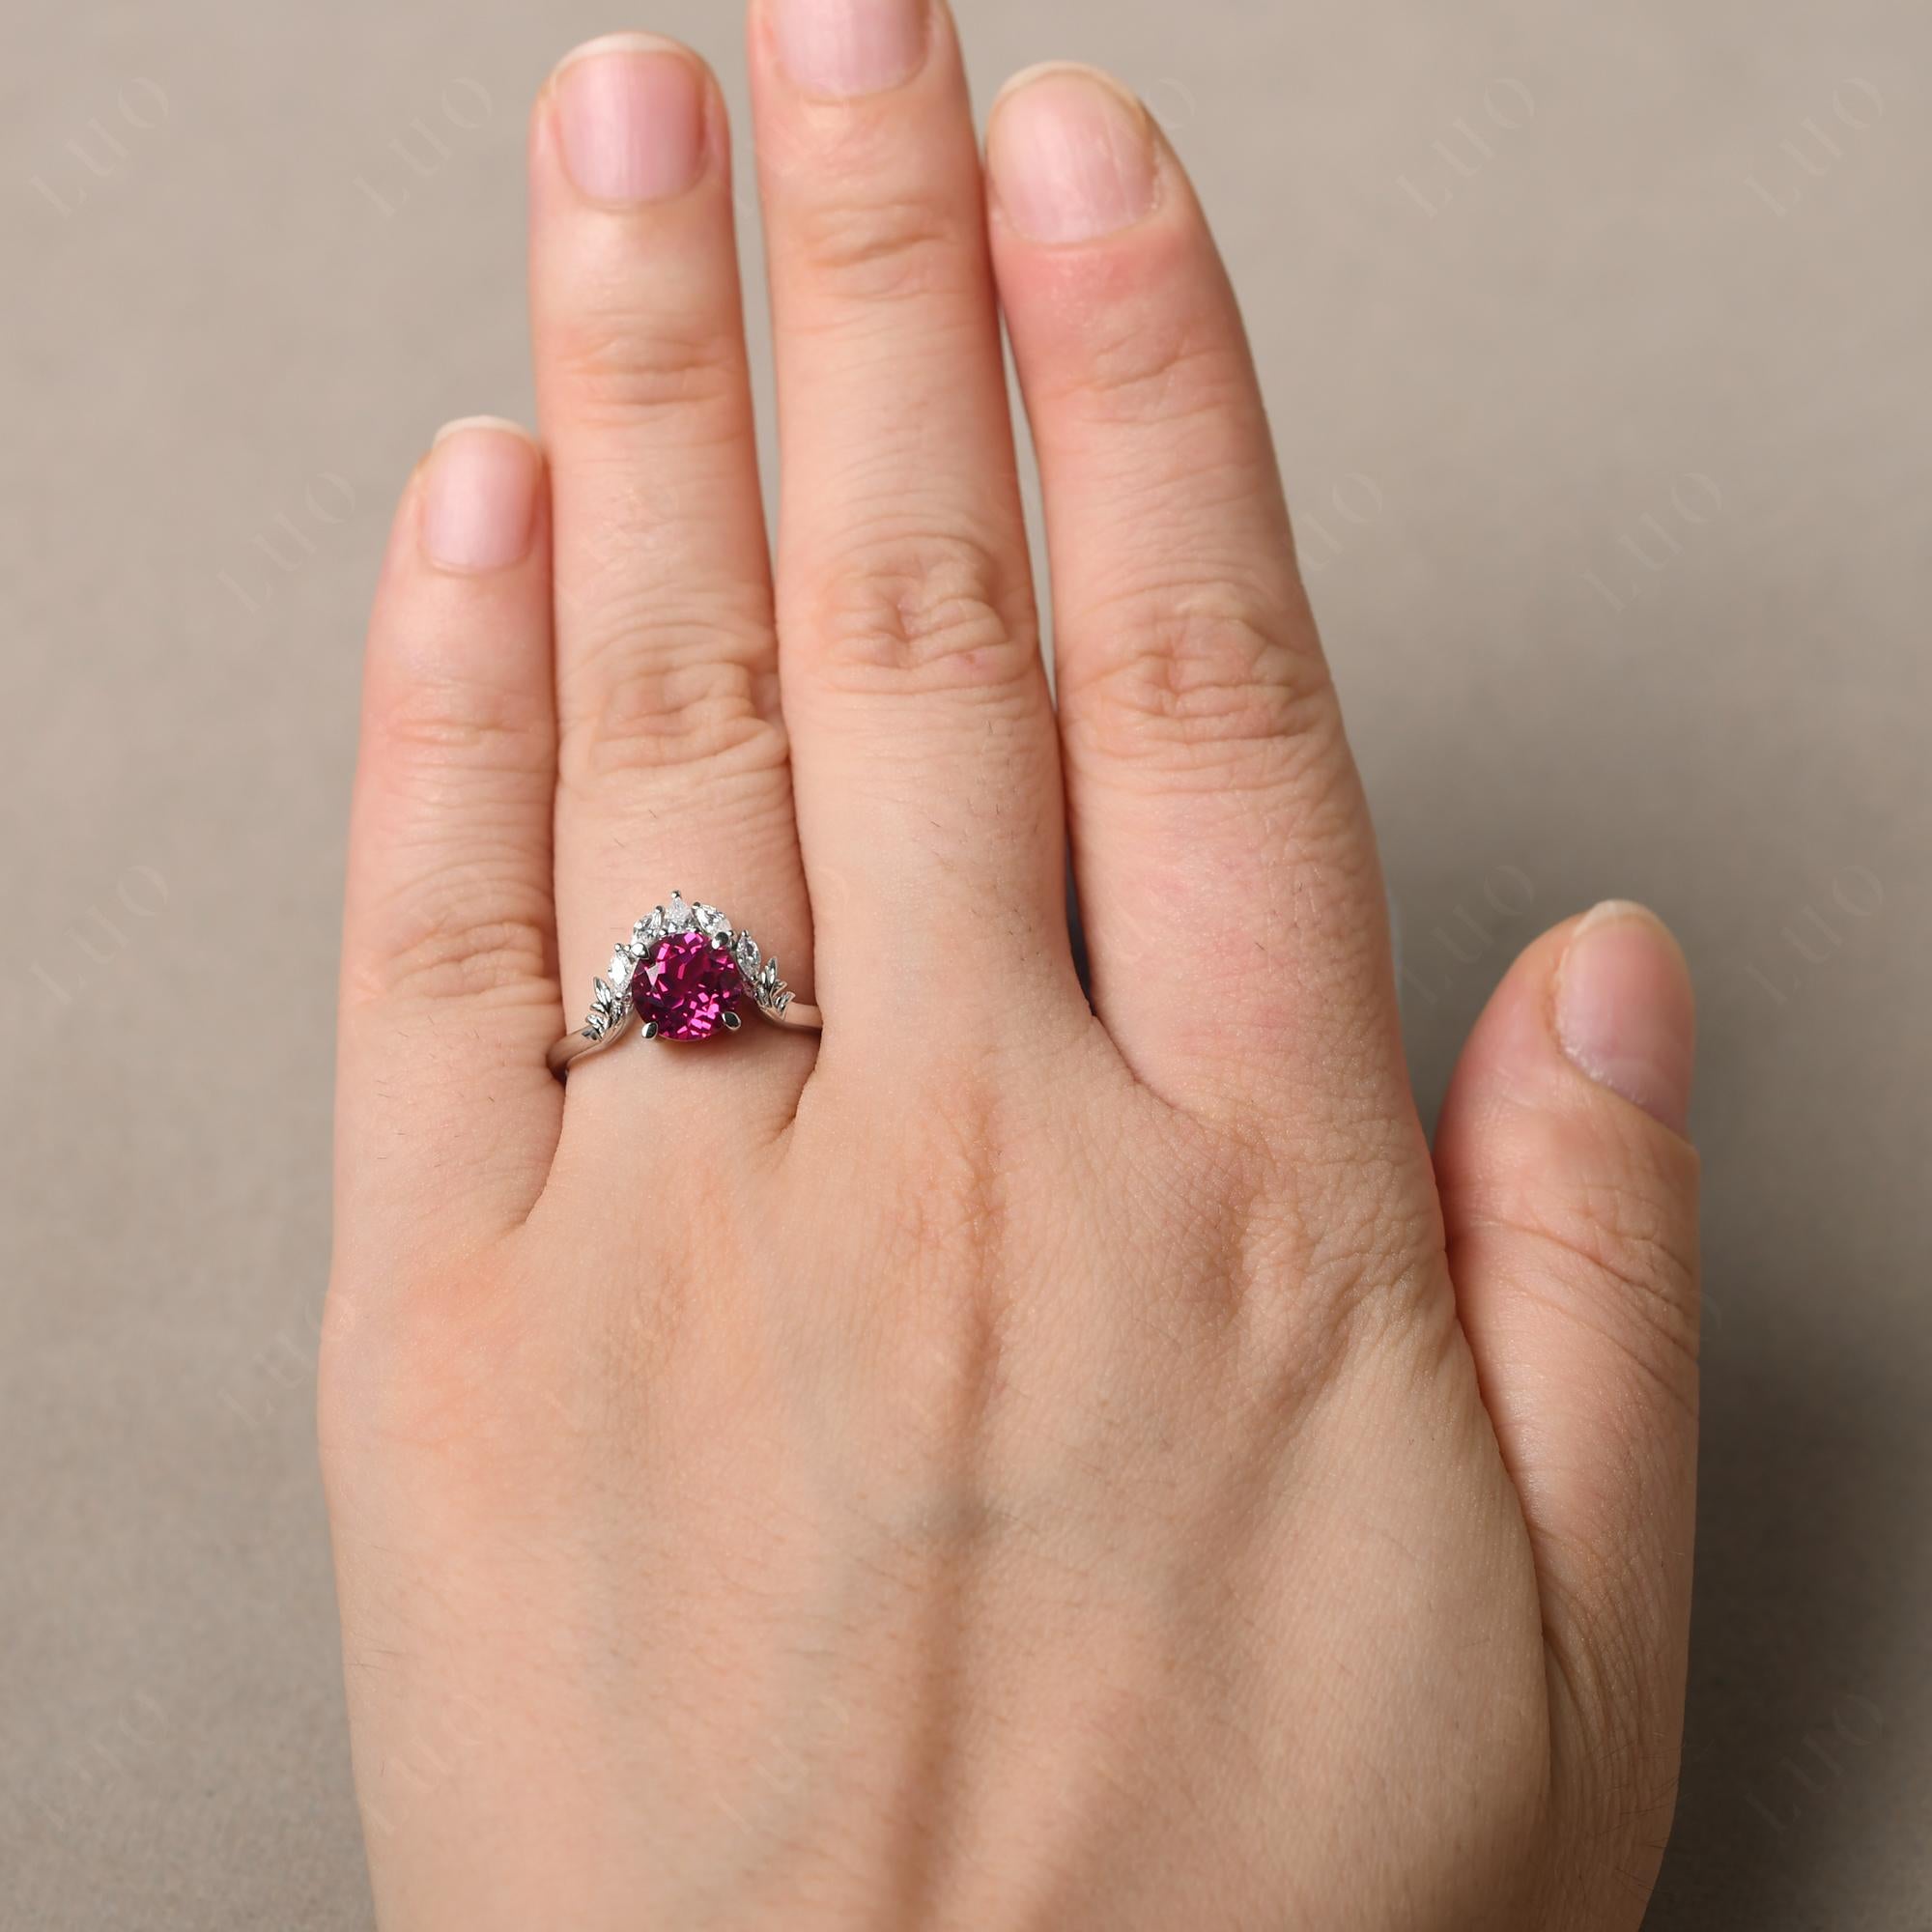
pixel 1596 337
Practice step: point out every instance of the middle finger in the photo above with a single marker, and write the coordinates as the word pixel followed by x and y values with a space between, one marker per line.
pixel 925 764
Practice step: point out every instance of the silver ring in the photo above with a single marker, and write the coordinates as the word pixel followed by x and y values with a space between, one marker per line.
pixel 684 974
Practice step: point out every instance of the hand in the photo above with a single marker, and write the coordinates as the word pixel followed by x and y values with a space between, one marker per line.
pixel 1013 1463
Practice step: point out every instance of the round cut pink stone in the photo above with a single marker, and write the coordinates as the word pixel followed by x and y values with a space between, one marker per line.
pixel 687 985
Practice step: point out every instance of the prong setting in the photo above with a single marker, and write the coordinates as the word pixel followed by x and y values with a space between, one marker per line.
pixel 613 1004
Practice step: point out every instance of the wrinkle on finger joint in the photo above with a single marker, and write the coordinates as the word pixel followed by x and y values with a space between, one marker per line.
pixel 925 615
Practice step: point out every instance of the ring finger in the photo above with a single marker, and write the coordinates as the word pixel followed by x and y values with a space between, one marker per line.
pixel 673 765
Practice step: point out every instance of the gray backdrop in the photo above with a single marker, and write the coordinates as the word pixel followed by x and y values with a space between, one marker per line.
pixel 1597 339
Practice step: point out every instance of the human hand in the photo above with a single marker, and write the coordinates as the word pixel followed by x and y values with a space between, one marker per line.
pixel 1010 1463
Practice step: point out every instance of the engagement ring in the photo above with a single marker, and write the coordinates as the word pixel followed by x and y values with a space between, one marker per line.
pixel 684 973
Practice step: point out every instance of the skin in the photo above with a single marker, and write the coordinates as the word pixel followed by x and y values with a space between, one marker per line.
pixel 1012 1463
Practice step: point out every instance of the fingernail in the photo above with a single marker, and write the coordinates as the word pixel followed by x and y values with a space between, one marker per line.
pixel 479 495
pixel 631 110
pixel 1625 1011
pixel 851 47
pixel 1070 155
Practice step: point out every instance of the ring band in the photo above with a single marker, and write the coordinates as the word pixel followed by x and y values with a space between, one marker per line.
pixel 683 974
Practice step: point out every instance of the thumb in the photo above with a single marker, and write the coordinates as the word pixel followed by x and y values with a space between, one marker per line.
pixel 1569 1197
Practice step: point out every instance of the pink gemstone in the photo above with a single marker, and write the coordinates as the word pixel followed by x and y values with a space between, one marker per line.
pixel 687 985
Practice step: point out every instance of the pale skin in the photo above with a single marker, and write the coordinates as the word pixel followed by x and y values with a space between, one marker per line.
pixel 1024 1459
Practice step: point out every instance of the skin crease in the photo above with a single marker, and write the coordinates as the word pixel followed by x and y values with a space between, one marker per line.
pixel 1013 1462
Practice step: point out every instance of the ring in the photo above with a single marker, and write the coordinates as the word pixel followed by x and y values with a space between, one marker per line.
pixel 684 973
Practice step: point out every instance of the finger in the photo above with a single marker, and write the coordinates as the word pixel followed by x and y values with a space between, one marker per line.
pixel 923 743
pixel 1569 1195
pixel 673 769
pixel 446 1115
pixel 1223 856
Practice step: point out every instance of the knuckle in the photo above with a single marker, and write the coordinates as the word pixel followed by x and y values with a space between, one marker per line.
pixel 1360 1244
pixel 923 614
pixel 619 364
pixel 1617 1247
pixel 936 1317
pixel 702 690
pixel 1323 1255
pixel 441 720
pixel 459 931
pixel 953 1223
pixel 463 910
pixel 1622 1234
pixel 884 247
pixel 1622 1240
pixel 1153 365
pixel 1201 672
